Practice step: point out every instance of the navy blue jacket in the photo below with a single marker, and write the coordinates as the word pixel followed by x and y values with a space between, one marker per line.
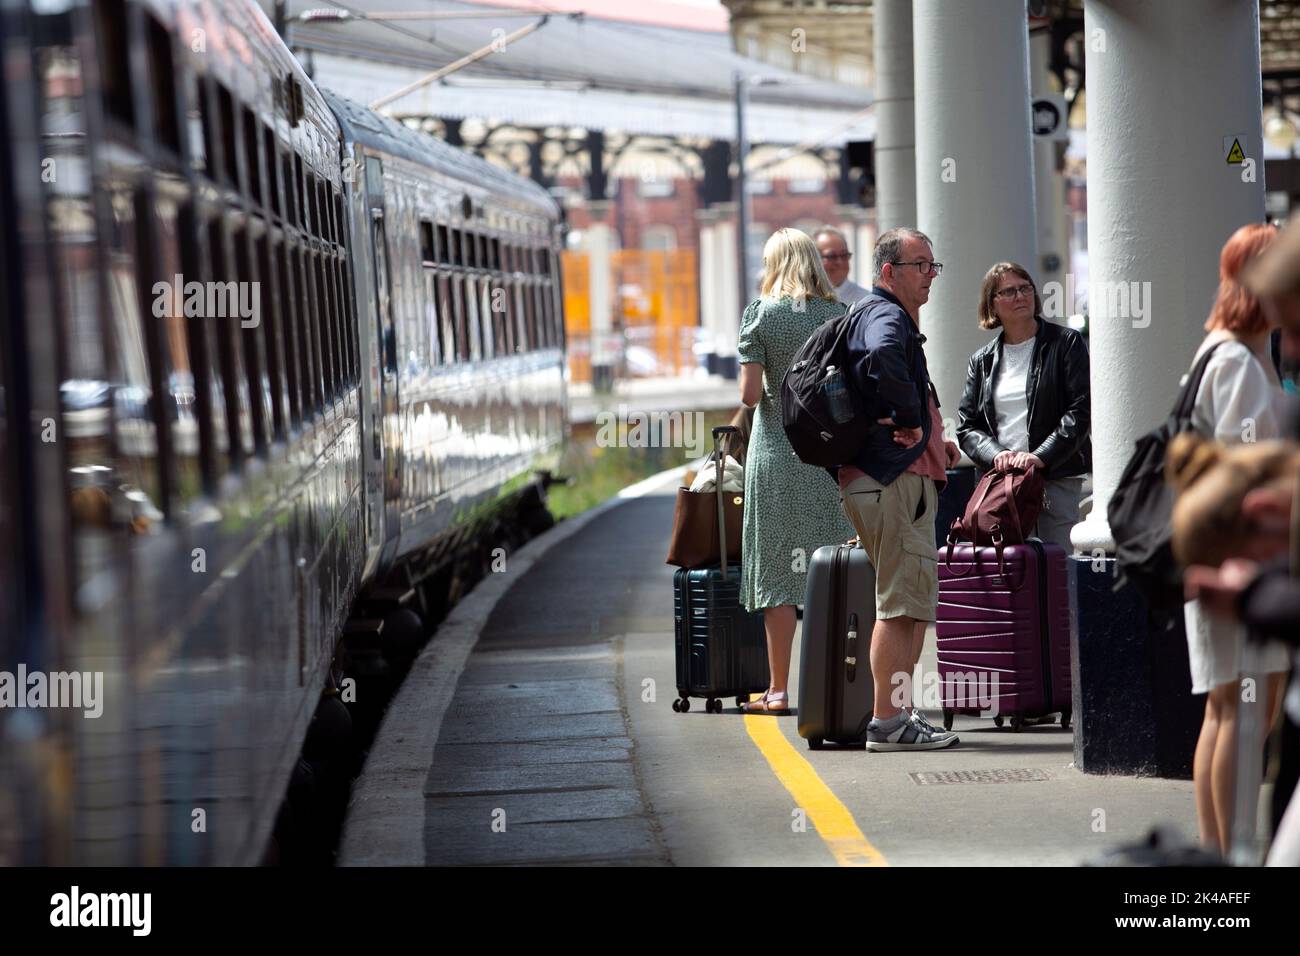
pixel 886 359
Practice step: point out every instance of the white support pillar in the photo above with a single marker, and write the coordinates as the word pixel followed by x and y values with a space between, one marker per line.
pixel 863 248
pixel 709 277
pixel 1049 200
pixel 727 330
pixel 599 243
pixel 1170 84
pixel 974 166
pixel 895 152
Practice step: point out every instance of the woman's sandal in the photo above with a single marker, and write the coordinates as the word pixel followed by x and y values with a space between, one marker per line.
pixel 764 704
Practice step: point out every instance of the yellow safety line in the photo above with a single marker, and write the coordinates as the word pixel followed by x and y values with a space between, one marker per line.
pixel 832 819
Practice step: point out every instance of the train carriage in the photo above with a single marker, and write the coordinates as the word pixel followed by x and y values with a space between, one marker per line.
pixel 261 349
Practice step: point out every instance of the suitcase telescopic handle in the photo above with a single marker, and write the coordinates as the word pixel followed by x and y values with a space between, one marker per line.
pixel 718 432
pixel 851 649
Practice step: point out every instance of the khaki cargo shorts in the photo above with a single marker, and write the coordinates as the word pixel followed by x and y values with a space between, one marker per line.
pixel 896 525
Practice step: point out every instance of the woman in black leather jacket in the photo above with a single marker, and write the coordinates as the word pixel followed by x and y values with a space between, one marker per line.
pixel 1027 398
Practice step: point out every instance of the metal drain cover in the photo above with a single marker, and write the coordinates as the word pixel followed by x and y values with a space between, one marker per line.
pixel 979 776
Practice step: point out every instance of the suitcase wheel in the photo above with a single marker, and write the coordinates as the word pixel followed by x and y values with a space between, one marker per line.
pixel 742 700
pixel 677 706
pixel 682 705
pixel 814 743
pixel 713 706
pixel 947 719
pixel 998 721
pixel 1016 723
pixel 1065 719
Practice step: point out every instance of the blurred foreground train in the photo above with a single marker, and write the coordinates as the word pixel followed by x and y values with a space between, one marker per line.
pixel 264 355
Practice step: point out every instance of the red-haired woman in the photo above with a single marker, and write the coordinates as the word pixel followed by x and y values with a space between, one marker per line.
pixel 1239 400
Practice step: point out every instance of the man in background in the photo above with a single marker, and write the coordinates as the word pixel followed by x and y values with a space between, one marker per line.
pixel 836 259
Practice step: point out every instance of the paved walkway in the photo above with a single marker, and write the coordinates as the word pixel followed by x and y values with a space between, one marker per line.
pixel 560 746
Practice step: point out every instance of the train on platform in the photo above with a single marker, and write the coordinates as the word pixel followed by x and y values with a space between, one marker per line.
pixel 266 356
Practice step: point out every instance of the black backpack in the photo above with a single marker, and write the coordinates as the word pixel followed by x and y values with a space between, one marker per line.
pixel 814 434
pixel 1141 509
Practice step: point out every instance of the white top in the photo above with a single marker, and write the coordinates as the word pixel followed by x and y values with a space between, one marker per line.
pixel 1240 398
pixel 1010 398
pixel 850 292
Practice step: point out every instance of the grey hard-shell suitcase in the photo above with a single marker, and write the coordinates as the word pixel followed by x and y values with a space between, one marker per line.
pixel 836 695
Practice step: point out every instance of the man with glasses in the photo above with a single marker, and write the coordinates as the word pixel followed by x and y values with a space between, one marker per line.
pixel 836 258
pixel 891 487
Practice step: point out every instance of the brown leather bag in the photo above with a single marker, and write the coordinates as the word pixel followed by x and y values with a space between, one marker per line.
pixel 1002 510
pixel 695 540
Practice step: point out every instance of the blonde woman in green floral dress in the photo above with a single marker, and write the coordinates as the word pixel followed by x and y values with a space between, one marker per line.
pixel 791 509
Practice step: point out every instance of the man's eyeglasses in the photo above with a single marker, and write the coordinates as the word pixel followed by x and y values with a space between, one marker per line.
pixel 924 266
pixel 836 256
pixel 1015 292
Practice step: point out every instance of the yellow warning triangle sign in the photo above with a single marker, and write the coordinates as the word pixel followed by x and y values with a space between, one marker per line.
pixel 1235 155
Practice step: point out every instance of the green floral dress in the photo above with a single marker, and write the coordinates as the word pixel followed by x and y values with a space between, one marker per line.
pixel 791 509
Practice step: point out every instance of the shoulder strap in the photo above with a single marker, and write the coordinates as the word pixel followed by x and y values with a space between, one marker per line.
pixel 1187 397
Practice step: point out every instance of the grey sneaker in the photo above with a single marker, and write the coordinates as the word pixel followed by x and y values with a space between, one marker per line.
pixel 925 724
pixel 905 731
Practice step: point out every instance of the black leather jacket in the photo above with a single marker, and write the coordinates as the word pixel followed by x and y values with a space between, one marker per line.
pixel 1060 403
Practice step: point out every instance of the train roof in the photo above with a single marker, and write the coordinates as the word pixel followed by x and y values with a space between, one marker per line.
pixel 363 125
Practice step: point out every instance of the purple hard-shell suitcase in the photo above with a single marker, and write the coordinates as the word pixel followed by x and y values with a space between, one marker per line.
pixel 1004 632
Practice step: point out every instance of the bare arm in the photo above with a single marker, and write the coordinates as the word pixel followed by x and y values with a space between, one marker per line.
pixel 751 384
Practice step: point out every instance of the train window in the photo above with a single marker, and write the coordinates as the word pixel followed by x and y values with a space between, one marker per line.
pixel 289 200
pixel 548 316
pixel 539 294
pixel 208 120
pixel 311 212
pixel 270 154
pixel 130 392
pixel 224 316
pixel 494 256
pixel 446 319
pixel 444 240
pixel 471 242
pixel 544 261
pixel 345 321
pixel 426 242
pixel 242 317
pixel 458 311
pixel 292 342
pixel 456 248
pixel 272 336
pixel 333 325
pixel 431 332
pixel 319 217
pixel 113 49
pixel 495 297
pixel 299 193
pixel 530 315
pixel 176 369
pixel 162 84
pixel 505 318
pixel 472 327
pixel 324 326
pixel 226 130
pixel 319 320
pixel 252 166
pixel 518 319
pixel 483 293
pixel 308 363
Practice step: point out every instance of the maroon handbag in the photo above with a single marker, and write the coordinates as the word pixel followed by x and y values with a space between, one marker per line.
pixel 1002 510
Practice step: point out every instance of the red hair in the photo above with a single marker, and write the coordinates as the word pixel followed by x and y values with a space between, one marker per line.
pixel 1236 309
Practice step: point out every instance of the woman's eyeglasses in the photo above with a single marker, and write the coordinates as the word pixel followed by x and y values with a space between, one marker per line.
pixel 1015 292
pixel 837 256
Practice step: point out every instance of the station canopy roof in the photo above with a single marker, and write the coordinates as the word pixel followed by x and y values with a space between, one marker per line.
pixel 668 72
